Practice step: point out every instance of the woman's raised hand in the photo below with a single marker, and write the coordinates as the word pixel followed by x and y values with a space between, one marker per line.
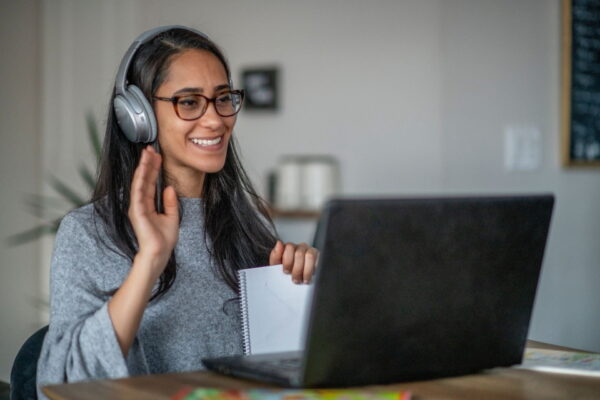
pixel 156 233
pixel 299 260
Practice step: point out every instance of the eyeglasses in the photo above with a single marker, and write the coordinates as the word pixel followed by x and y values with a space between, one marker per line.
pixel 193 106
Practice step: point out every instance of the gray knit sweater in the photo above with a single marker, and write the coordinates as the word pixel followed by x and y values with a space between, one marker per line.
pixel 194 319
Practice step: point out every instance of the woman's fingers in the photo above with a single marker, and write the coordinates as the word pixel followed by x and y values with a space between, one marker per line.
pixel 150 177
pixel 288 257
pixel 310 263
pixel 155 232
pixel 276 254
pixel 170 202
pixel 143 186
pixel 298 267
pixel 298 260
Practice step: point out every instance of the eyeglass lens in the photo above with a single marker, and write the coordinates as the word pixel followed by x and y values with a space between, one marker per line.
pixel 194 106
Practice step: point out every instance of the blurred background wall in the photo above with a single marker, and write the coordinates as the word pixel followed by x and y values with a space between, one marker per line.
pixel 20 172
pixel 412 97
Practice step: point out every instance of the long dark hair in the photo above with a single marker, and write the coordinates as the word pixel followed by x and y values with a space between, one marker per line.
pixel 238 230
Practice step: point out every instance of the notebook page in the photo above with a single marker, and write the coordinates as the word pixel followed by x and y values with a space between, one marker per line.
pixel 273 310
pixel 559 361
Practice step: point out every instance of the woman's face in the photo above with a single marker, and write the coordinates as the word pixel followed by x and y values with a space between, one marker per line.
pixel 190 149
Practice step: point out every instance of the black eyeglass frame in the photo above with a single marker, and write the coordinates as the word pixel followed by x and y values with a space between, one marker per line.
pixel 175 99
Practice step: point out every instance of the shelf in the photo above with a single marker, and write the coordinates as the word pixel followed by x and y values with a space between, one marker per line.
pixel 294 214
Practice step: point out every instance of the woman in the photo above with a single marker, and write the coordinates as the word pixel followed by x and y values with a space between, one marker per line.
pixel 144 279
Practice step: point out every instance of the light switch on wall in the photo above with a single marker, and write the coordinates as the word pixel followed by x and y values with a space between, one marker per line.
pixel 522 148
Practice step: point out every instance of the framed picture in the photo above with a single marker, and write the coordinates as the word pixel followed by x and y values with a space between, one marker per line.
pixel 580 83
pixel 261 89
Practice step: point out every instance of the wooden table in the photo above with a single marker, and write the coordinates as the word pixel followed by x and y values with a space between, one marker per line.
pixel 499 383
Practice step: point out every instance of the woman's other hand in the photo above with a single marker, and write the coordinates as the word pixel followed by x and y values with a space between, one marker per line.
pixel 156 233
pixel 299 260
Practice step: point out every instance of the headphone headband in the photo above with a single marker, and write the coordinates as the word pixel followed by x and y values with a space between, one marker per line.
pixel 121 80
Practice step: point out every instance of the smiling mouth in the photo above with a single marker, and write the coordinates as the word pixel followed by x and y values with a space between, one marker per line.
pixel 207 142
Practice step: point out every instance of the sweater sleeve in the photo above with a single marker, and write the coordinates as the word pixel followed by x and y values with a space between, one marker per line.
pixel 81 343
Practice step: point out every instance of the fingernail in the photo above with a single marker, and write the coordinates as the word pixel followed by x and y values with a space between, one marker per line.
pixel 306 281
pixel 296 280
pixel 286 271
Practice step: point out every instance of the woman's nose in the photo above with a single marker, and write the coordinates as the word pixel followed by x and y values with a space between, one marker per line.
pixel 211 119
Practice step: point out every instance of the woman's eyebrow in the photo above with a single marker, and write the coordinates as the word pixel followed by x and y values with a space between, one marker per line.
pixel 221 87
pixel 200 90
pixel 189 90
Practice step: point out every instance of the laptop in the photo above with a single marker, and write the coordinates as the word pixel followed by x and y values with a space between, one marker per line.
pixel 413 288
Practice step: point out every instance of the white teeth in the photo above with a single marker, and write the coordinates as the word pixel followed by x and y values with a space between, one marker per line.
pixel 207 142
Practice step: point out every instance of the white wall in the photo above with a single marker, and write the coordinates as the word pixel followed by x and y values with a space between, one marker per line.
pixel 411 96
pixel 501 66
pixel 19 171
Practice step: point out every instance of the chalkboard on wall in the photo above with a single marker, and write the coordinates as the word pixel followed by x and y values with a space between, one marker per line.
pixel 581 83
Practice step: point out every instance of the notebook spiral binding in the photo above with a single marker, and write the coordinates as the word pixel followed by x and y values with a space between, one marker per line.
pixel 244 312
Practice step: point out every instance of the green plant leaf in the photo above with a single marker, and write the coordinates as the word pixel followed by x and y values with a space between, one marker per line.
pixel 87 177
pixel 93 134
pixel 34 233
pixel 65 191
pixel 40 303
pixel 40 205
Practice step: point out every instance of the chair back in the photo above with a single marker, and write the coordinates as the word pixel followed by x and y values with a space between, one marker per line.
pixel 24 370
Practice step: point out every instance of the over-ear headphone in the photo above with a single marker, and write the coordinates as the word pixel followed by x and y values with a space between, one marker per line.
pixel 134 112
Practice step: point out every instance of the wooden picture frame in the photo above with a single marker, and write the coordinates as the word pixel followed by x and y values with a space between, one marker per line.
pixel 580 91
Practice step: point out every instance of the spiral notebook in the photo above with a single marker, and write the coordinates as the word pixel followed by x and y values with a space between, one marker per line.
pixel 273 309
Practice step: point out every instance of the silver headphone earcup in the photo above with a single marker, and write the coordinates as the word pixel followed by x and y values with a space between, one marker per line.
pixel 150 132
pixel 135 115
